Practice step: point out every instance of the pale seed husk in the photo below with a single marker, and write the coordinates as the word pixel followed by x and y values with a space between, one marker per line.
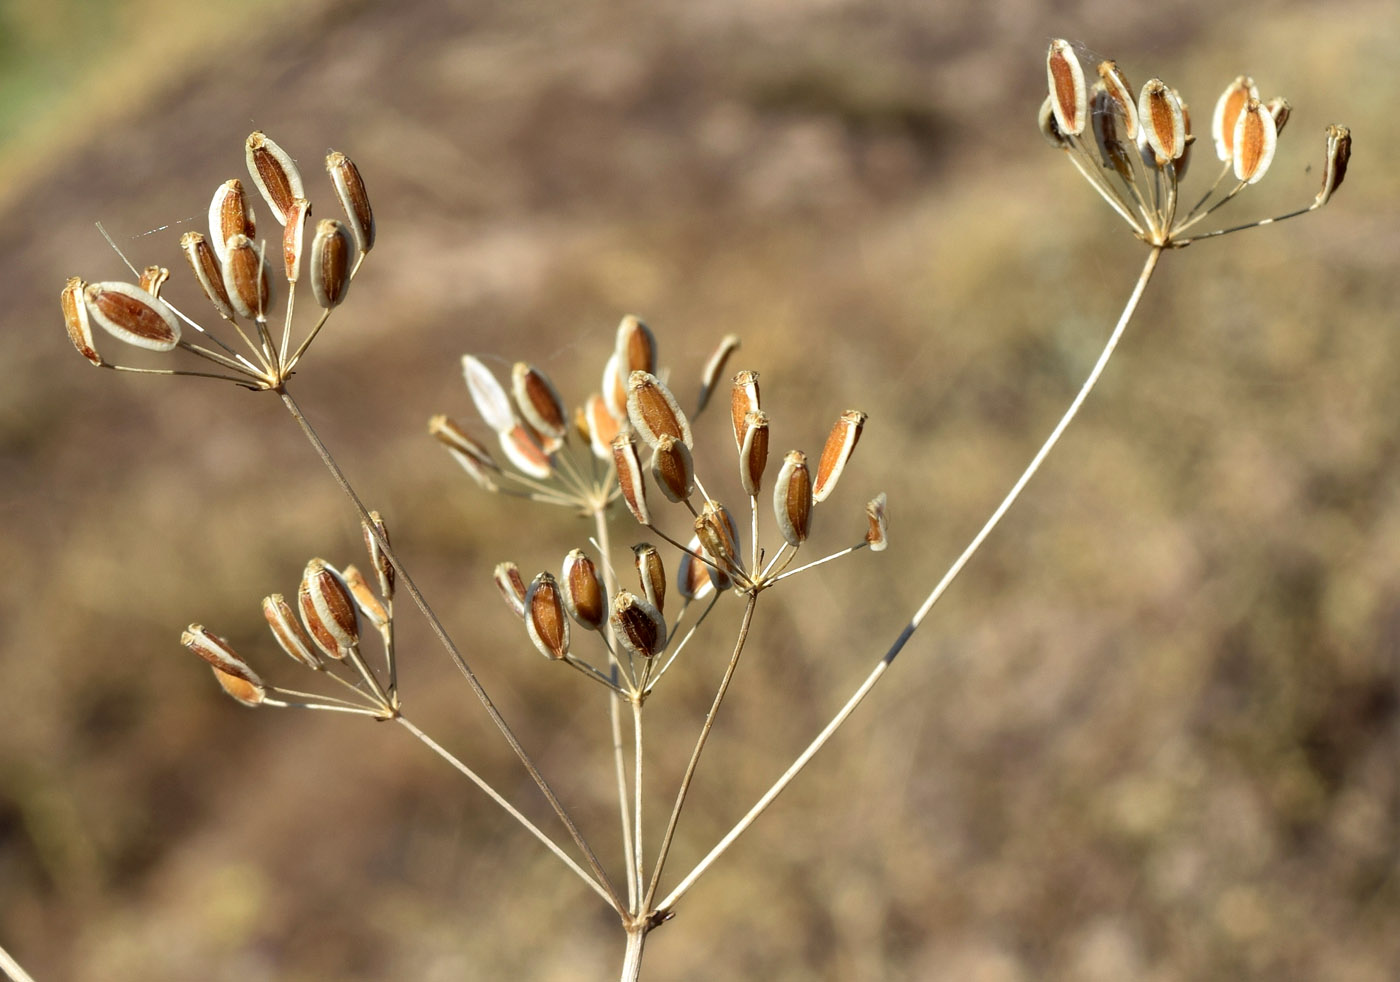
pixel 651 573
pixel 629 477
pixel 1227 113
pixel 512 586
pixel 638 624
pixel 636 347
pixel 208 272
pixel 488 395
pixel 130 314
pixel 250 694
pixel 615 388
pixel 602 426
pixel 1335 166
pixel 540 404
pixel 524 451
pixel 218 653
pixel 1279 108
pixel 474 458
pixel 544 617
pixel 753 455
pixel 365 599
pixel 246 278
pixel 654 411
pixel 294 238
pixel 743 399
pixel 328 609
pixel 877 534
pixel 713 367
pixel 672 469
pixel 152 279
pixel 840 444
pixel 350 189
pixel 1116 86
pixel 275 174
pixel 1160 113
pixel 383 568
pixel 695 579
pixel 331 256
pixel 1069 98
pixel 1256 139
pixel 792 499
pixel 75 319
pixel 584 596
pixel 290 637
pixel 229 215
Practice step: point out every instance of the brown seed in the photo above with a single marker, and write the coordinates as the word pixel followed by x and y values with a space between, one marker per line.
pixel 544 617
pixel 1159 111
pixel 602 426
pixel 615 388
pixel 1114 146
pixel 638 624
pixel 1256 139
pixel 1070 100
pixel 383 568
pixel 365 599
pixel 488 395
pixel 743 399
pixel 288 633
pixel 540 404
pixel 475 459
pixel 877 534
pixel 512 587
pixel 524 451
pixel 1279 108
pixel 652 574
pixel 330 263
pixel 719 536
pixel 328 609
pixel 1050 127
pixel 207 271
pixel 672 469
pixel 233 674
pixel 583 591
pixel 75 319
pixel 629 477
pixel 1335 167
pixel 727 346
pixel 132 315
pixel 1115 85
pixel 153 278
pixel 696 579
pixel 1227 113
pixel 294 238
pixel 246 278
pixel 840 444
pixel 654 411
pixel 753 455
pixel 636 347
pixel 229 215
pixel 350 189
pixel 792 499
pixel 275 175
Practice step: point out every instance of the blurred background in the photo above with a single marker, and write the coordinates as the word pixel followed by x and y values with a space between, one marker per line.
pixel 1151 734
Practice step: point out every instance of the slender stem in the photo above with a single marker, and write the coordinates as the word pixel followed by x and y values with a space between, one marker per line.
pixel 13 969
pixel 913 625
pixel 451 648
pixel 603 541
pixel 637 863
pixel 699 747
pixel 510 809
pixel 632 960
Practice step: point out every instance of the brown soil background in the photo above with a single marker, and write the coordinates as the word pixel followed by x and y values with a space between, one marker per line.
pixel 1151 734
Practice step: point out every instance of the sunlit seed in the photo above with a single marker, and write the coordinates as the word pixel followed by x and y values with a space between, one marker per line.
pixel 753 455
pixel 474 458
pixel 1066 77
pixel 512 586
pixel 130 314
pixel 294 237
pixel 229 215
pixel 1335 166
pixel 246 278
pixel 636 347
pixel 743 399
pixel 792 499
pixel 638 625
pixel 379 559
pixel 584 596
pixel 602 426
pixel 350 189
pixel 651 574
pixel 539 404
pixel 1227 113
pixel 877 532
pixel 75 319
pixel 713 367
pixel 629 477
pixel 840 444
pixel 331 256
pixel 290 637
pixel 328 609
pixel 275 174
pixel 488 395
pixel 524 451
pixel 365 600
pixel 1116 86
pixel 672 469
pixel 653 410
pixel 1256 139
pixel 208 273
pixel 544 617
pixel 1159 112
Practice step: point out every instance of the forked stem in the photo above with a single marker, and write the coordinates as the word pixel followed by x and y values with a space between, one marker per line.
pixel 907 632
pixel 599 874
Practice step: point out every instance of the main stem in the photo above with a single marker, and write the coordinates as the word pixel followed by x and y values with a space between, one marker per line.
pixel 599 874
pixel 913 625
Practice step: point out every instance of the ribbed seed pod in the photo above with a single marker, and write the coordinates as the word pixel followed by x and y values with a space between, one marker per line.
pixel 743 399
pixel 130 314
pixel 840 444
pixel 1160 112
pixel 877 534
pixel 719 536
pixel 294 238
pixel 328 610
pixel 1335 167
pixel 208 272
pixel 1069 98
pixel 792 499
pixel 288 633
pixel 651 574
pixel 583 591
pixel 331 255
pixel 152 279
pixel 629 477
pixel 1227 113
pixel 350 189
pixel 475 459
pixel 636 347
pixel 672 469
pixel 237 679
pixel 229 215
pixel 275 174
pixel 383 568
pixel 75 319
pixel 710 376
pixel 246 279
pixel 365 600
pixel 524 451
pixel 1115 85
pixel 512 587
pixel 545 621
pixel 695 579
pixel 638 624
pixel 602 426
pixel 1256 139
pixel 488 395
pixel 540 404
pixel 654 411
pixel 753 454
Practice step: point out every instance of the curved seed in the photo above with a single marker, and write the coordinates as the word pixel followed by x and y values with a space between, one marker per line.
pixel 792 499
pixel 1227 113
pixel 275 174
pixel 1256 139
pixel 288 633
pixel 130 314
pixel 602 425
pixel 654 411
pixel 488 395
pixel 152 279
pixel 1115 85
pixel 75 319
pixel 636 347
pixel 233 674
pixel 544 617
pixel 719 536
pixel 208 273
pixel 229 215
pixel 1334 169
pixel 365 600
pixel 629 477
pixel 652 574
pixel 540 404
pixel 524 451
pixel 840 444
pixel 615 388
pixel 584 596
pixel 512 587
pixel 877 534
pixel 727 346
pixel 695 579
pixel 350 189
pixel 475 459
pixel 293 238
pixel 1069 98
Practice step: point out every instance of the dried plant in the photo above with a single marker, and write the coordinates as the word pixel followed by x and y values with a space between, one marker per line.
pixel 623 459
